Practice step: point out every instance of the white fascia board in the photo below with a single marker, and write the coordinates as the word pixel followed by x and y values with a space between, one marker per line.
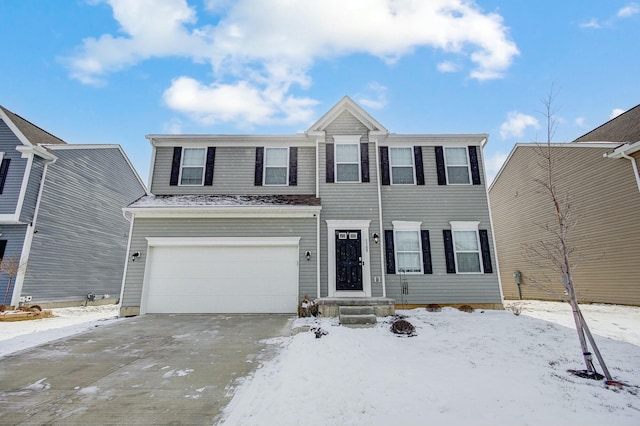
pixel 10 219
pixel 224 212
pixel 222 241
pixel 26 151
pixel 445 140
pixel 21 137
pixel 229 140
pixel 627 148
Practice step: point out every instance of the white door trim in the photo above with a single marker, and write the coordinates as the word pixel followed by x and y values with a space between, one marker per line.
pixel 363 226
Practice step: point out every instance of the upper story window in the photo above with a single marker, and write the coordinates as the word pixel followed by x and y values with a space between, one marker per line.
pixel 401 164
pixel 457 164
pixel 4 170
pixel 276 164
pixel 347 162
pixel 192 167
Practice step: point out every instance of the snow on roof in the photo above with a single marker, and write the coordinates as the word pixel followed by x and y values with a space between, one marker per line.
pixel 225 201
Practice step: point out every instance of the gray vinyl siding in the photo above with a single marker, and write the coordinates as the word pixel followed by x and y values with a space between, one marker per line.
pixel 14 236
pixel 305 228
pixel 13 183
pixel 80 244
pixel 605 201
pixel 233 173
pixel 435 206
pixel 350 201
pixel 33 188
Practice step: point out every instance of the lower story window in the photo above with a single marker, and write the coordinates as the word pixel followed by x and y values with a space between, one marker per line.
pixel 407 247
pixel 467 251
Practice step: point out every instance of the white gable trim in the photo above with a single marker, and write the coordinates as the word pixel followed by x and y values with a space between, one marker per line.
pixel 347 104
pixel 21 137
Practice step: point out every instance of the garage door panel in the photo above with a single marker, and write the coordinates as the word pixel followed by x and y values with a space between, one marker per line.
pixel 260 279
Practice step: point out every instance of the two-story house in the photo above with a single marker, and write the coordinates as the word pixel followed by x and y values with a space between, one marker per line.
pixel 62 233
pixel 346 211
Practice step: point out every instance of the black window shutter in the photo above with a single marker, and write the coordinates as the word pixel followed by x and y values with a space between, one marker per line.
pixel 175 165
pixel 3 246
pixel 417 156
pixel 486 253
pixel 385 177
pixel 448 251
pixel 257 181
pixel 208 172
pixel 364 161
pixel 4 170
pixel 293 165
pixel 426 252
pixel 442 173
pixel 389 252
pixel 475 170
pixel 330 163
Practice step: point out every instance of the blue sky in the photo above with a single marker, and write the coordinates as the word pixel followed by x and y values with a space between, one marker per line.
pixel 112 71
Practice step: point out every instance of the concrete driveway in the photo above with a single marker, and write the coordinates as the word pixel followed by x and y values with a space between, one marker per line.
pixel 153 369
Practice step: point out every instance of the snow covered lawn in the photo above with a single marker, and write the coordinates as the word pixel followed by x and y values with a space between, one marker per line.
pixel 481 368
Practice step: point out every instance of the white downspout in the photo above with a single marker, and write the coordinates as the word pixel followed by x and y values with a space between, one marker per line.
pixel 26 246
pixel 126 259
pixel 318 254
pixel 381 232
pixel 634 165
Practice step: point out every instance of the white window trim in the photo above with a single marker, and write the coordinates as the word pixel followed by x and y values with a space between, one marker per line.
pixel 332 227
pixel 204 166
pixel 446 165
pixel 346 140
pixel 413 165
pixel 412 227
pixel 264 166
pixel 466 226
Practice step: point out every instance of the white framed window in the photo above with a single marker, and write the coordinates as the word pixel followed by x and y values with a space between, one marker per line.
pixel 401 163
pixel 408 247
pixel 276 166
pixel 466 246
pixel 192 166
pixel 457 165
pixel 347 162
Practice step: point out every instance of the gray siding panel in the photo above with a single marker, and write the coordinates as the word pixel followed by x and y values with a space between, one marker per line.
pixel 305 228
pixel 605 201
pixel 233 173
pixel 11 192
pixel 14 236
pixel 435 206
pixel 81 241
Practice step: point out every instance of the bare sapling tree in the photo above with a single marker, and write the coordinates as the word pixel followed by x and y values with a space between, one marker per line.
pixel 557 253
pixel 11 265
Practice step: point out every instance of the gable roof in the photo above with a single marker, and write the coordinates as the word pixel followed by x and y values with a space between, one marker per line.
pixel 623 128
pixel 347 104
pixel 34 134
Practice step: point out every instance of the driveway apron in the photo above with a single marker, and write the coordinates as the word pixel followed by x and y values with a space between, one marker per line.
pixel 152 369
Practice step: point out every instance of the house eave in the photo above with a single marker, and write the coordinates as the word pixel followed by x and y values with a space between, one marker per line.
pixel 228 140
pixel 625 149
pixel 225 212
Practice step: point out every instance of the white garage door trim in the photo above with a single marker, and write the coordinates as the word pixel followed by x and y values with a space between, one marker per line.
pixel 287 291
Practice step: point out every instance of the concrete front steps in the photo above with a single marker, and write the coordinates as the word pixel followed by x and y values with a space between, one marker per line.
pixel 356 311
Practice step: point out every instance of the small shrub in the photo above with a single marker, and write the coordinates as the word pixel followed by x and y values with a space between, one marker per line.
pixel 433 307
pixel 516 308
pixel 403 327
pixel 466 308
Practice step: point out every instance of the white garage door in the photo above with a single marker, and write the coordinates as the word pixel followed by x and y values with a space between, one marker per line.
pixel 221 276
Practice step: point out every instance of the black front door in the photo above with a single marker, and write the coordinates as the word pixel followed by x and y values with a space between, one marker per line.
pixel 348 261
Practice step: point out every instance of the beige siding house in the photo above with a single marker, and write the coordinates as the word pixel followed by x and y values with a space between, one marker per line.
pixel 599 173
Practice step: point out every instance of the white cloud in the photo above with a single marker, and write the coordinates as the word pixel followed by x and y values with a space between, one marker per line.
pixel 375 96
pixel 615 112
pixel 493 163
pixel 629 10
pixel 579 121
pixel 263 48
pixel 516 124
pixel 448 66
pixel 593 23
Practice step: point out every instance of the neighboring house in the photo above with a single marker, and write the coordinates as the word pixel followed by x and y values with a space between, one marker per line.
pixel 61 215
pixel 599 172
pixel 346 211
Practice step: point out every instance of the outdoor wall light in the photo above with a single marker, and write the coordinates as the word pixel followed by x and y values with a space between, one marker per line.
pixel 376 238
pixel 134 256
pixel 308 255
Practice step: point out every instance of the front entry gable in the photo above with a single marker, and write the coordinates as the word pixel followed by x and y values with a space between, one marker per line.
pixel 347 104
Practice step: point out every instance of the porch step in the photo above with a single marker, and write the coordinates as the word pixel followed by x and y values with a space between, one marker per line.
pixel 356 310
pixel 366 319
